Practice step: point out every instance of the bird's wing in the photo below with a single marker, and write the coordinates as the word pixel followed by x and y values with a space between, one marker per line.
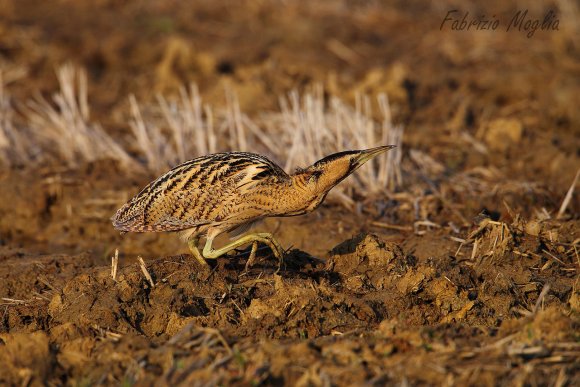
pixel 220 188
pixel 149 209
pixel 197 192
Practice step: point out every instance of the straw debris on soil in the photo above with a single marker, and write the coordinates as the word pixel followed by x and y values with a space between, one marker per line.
pixel 451 260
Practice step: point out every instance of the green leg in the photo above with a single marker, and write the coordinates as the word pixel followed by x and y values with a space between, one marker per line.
pixel 192 243
pixel 266 238
pixel 252 256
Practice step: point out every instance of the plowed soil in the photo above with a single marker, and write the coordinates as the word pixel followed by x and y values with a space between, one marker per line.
pixel 466 275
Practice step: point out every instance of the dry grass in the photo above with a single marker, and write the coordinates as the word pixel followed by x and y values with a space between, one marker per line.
pixel 12 144
pixel 62 128
pixel 491 240
pixel 306 128
pixel 172 131
pixel 185 130
pixel 115 265
pixel 190 119
pixel 568 196
pixel 145 271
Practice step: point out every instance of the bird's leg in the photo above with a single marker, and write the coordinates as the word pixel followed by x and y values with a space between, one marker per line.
pixel 252 256
pixel 192 243
pixel 266 238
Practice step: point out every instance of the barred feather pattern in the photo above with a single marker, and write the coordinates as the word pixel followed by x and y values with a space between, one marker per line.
pixel 224 189
pixel 225 192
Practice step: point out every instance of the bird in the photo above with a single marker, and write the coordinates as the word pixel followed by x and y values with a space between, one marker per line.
pixel 231 191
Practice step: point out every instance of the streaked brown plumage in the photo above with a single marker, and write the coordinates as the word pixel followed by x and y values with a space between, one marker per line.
pixel 218 193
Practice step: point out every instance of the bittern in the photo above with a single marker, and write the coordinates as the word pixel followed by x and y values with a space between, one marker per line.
pixel 229 192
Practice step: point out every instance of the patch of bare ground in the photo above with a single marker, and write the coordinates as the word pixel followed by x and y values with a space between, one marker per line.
pixel 455 262
pixel 373 311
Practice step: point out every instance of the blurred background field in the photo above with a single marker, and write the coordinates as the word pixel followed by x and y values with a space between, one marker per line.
pixel 99 97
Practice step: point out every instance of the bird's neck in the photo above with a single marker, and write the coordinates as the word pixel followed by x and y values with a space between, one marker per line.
pixel 300 197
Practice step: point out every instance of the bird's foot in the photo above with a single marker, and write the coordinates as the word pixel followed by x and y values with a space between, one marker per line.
pixel 199 261
pixel 277 250
pixel 280 260
pixel 255 238
pixel 251 258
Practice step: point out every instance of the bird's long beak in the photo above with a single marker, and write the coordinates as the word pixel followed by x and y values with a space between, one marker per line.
pixel 368 154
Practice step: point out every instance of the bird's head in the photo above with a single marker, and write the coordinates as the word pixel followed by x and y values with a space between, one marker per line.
pixel 331 170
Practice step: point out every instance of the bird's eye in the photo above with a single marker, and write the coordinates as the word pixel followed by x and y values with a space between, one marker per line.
pixel 315 176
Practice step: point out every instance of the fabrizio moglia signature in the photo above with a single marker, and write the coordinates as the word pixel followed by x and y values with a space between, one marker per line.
pixel 520 21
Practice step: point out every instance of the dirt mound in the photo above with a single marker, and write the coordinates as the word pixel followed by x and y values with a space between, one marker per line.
pixel 372 304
